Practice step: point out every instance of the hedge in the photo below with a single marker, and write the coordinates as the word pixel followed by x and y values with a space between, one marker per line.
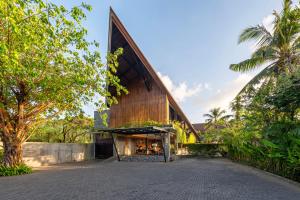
pixel 207 150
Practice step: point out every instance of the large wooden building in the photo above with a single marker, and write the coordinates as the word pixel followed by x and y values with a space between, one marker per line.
pixel 148 99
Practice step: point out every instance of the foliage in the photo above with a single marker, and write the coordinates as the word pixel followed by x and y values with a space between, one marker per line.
pixel 265 131
pixel 277 51
pixel 1 154
pixel 71 129
pixel 237 107
pixel 191 139
pixel 142 124
pixel 217 120
pixel 207 150
pixel 212 135
pixel 14 171
pixel 267 135
pixel 277 149
pixel 180 133
pixel 47 68
pixel 216 116
pixel 286 96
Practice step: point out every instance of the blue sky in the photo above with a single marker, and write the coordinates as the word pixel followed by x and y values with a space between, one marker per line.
pixel 190 43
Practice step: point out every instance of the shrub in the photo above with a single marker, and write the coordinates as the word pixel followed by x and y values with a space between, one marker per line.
pixel 14 171
pixel 207 150
pixel 277 151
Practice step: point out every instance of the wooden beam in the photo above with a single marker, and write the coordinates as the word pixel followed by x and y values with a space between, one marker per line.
pixel 163 146
pixel 147 144
pixel 116 149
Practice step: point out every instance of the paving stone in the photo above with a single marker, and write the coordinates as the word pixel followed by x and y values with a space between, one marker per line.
pixel 207 179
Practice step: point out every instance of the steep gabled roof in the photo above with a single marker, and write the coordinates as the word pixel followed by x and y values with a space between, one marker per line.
pixel 114 20
pixel 200 127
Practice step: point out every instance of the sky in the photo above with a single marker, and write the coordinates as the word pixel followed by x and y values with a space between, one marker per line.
pixel 189 43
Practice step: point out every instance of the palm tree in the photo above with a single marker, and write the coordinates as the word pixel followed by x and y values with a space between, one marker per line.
pixel 278 51
pixel 216 116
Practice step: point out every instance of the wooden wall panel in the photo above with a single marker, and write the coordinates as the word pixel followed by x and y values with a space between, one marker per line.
pixel 140 105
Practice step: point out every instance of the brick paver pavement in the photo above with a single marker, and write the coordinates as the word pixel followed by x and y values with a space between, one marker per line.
pixel 209 179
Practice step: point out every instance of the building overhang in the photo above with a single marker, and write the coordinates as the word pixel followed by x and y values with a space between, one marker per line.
pixel 137 130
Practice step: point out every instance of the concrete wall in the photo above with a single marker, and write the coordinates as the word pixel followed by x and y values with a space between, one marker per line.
pixel 40 154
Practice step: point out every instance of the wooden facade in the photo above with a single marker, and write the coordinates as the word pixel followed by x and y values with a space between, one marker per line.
pixel 140 105
pixel 148 98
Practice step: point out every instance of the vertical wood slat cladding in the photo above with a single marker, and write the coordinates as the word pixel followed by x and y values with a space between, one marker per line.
pixel 139 105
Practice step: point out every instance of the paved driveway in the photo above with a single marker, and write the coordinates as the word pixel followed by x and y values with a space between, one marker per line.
pixel 184 179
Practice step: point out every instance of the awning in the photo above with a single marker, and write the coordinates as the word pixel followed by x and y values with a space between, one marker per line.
pixel 137 130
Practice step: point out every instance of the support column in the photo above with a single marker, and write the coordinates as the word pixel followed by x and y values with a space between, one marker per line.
pixel 167 146
pixel 115 149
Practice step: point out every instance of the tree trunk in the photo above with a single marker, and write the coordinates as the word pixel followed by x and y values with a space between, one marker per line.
pixel 14 128
pixel 12 152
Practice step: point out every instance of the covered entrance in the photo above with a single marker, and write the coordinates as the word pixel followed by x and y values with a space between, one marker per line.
pixel 103 147
pixel 148 142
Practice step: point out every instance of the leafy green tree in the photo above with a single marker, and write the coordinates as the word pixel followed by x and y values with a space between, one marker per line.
pixel 237 107
pixel 47 68
pixel 286 96
pixel 71 129
pixel 277 51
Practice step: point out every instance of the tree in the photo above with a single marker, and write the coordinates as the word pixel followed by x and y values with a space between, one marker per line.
pixel 216 116
pixel 237 106
pixel 76 129
pixel 47 68
pixel 277 51
pixel 70 129
pixel 286 96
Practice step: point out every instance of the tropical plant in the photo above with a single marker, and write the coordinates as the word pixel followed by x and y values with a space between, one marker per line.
pixel 286 96
pixel 191 139
pixel 216 116
pixel 266 130
pixel 237 106
pixel 14 171
pixel 274 149
pixel 277 51
pixel 47 68
pixel 180 133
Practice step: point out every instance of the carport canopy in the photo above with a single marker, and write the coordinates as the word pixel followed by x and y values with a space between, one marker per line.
pixel 136 131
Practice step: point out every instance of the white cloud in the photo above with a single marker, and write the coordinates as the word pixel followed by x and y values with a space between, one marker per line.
pixel 181 91
pixel 223 97
pixel 207 86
